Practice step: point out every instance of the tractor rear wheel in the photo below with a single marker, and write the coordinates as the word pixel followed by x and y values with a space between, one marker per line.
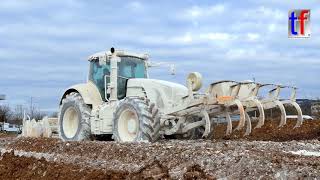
pixel 136 120
pixel 74 118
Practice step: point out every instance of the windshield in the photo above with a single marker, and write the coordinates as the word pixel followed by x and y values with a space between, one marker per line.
pixel 131 67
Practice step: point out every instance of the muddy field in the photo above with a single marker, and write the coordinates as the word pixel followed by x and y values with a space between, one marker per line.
pixel 295 153
pixel 271 132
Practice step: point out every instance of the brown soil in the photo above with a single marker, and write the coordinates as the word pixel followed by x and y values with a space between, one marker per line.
pixel 265 154
pixel 310 129
pixel 196 172
pixel 13 167
pixel 4 135
pixel 164 160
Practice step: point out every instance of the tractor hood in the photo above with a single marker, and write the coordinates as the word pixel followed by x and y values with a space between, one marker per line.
pixel 164 94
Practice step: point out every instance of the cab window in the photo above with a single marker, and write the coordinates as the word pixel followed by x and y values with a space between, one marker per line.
pixel 128 67
pixel 97 73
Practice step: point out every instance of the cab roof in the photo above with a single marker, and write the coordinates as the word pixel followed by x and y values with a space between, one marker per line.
pixel 119 53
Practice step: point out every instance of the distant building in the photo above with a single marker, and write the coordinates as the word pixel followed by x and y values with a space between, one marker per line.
pixel 2 97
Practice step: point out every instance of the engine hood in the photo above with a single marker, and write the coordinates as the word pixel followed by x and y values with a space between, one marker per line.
pixel 164 94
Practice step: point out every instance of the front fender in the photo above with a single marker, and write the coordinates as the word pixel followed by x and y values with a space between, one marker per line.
pixel 88 91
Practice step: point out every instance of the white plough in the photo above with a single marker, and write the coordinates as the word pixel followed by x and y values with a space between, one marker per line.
pixel 245 96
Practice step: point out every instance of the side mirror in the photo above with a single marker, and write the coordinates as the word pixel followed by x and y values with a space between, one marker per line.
pixel 172 67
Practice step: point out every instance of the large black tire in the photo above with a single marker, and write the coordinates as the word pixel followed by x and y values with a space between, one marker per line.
pixel 146 116
pixel 74 119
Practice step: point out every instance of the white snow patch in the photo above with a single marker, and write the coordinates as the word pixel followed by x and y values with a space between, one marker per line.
pixel 306 153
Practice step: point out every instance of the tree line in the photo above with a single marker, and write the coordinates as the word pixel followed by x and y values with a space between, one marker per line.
pixel 15 115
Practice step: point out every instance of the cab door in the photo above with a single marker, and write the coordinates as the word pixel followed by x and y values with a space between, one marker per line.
pixel 98 74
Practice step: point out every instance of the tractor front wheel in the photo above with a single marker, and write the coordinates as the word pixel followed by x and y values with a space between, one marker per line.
pixel 74 119
pixel 136 120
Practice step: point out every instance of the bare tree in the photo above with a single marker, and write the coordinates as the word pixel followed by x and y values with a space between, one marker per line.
pixel 32 109
pixel 19 111
pixel 5 113
pixel 17 115
pixel 38 115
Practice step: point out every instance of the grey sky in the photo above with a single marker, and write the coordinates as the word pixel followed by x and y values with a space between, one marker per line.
pixel 44 44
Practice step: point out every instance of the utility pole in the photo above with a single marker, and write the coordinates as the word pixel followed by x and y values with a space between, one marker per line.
pixel 31 107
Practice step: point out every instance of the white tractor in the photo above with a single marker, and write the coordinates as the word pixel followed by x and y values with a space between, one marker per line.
pixel 120 100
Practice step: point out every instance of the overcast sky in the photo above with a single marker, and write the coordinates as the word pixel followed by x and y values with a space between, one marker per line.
pixel 44 44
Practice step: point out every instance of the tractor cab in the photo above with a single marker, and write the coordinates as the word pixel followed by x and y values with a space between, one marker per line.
pixel 129 66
